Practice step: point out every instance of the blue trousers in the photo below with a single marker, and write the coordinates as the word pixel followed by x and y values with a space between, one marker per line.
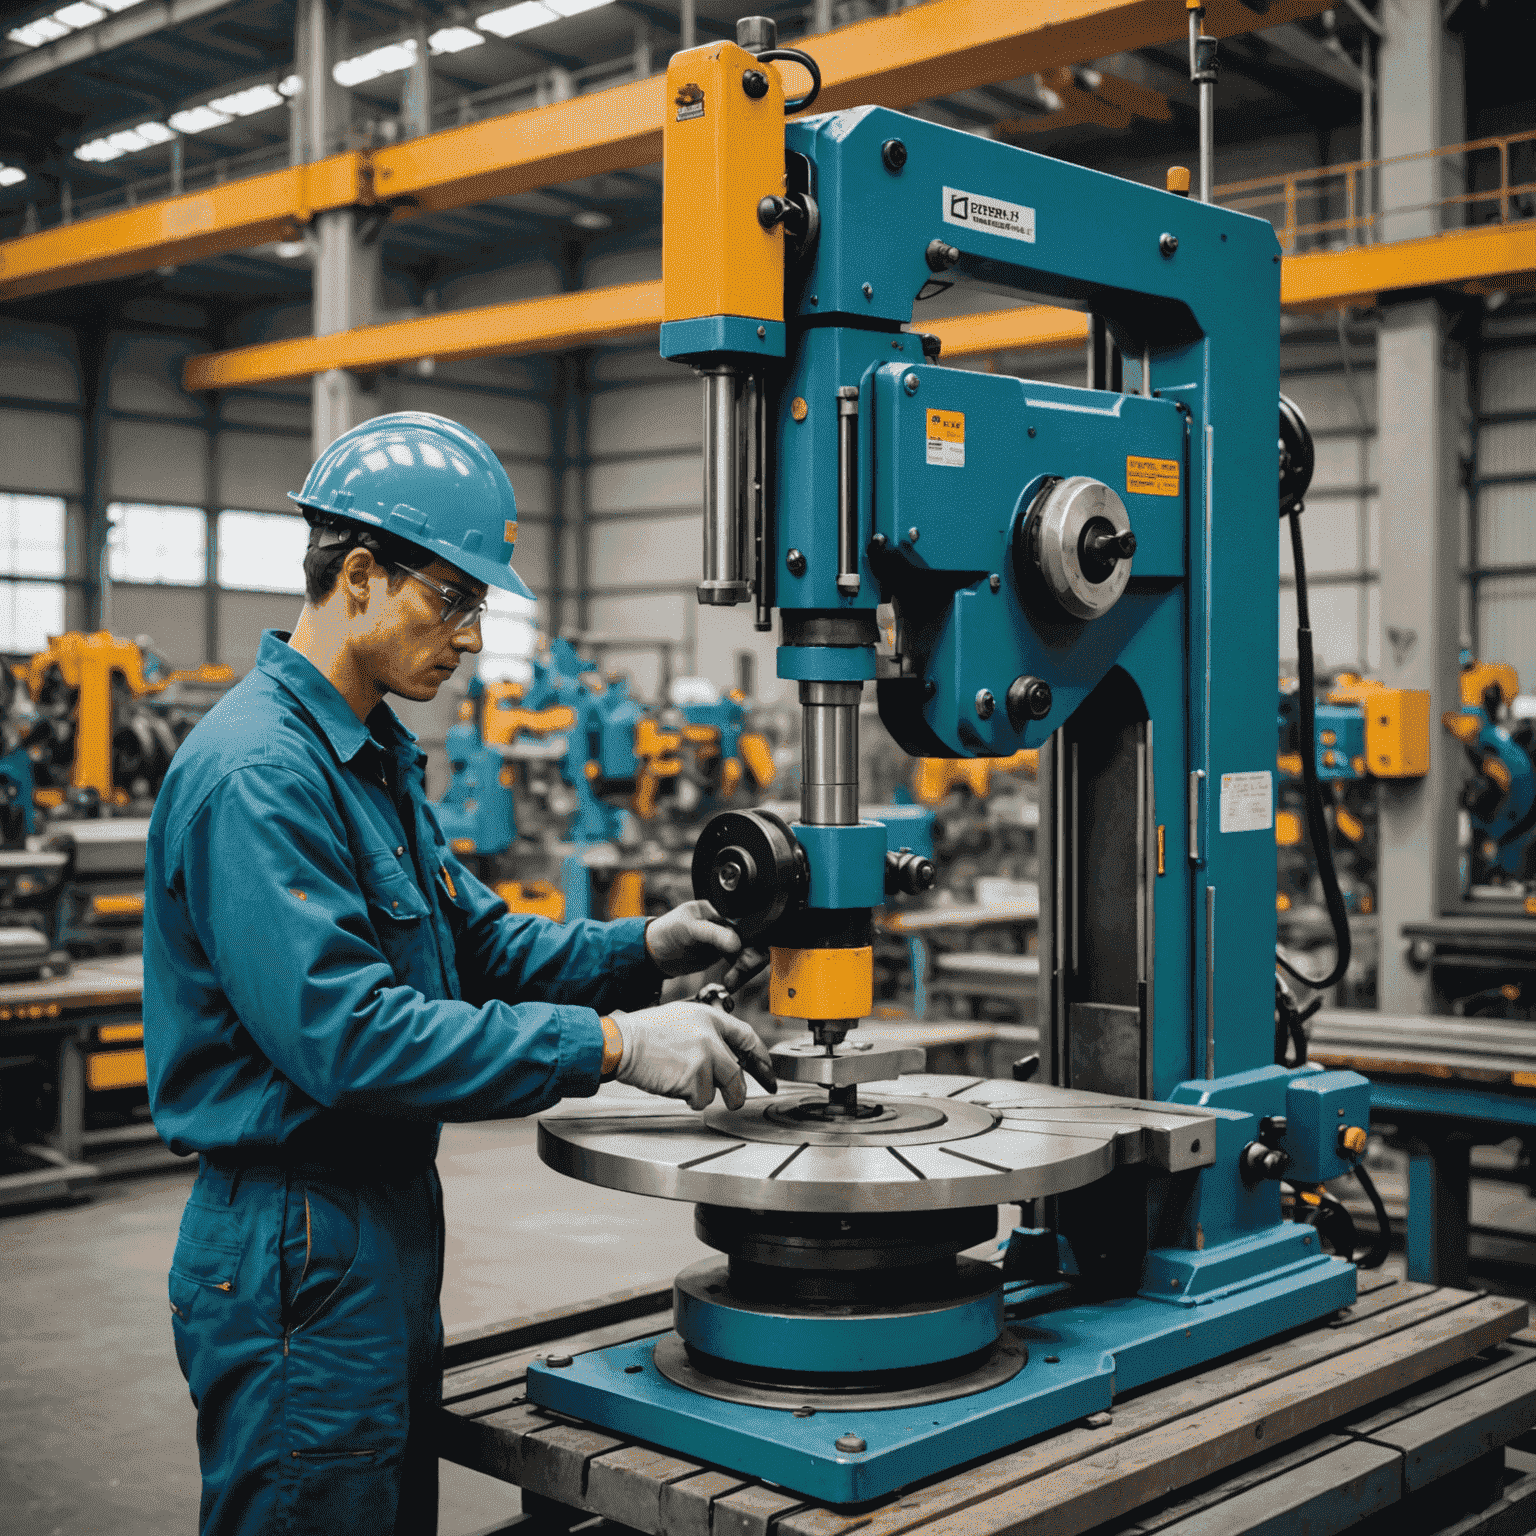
pixel 304 1305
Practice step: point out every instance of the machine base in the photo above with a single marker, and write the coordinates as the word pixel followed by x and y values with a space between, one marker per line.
pixel 1079 1358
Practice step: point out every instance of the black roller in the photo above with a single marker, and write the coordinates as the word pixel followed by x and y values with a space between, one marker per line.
pixel 748 865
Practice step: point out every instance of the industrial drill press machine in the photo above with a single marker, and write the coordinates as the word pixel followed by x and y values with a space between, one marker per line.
pixel 1011 564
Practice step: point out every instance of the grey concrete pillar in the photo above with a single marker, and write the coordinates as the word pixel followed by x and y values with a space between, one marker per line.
pixel 1422 416
pixel 345 269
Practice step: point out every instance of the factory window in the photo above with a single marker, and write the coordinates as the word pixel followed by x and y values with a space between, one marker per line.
pixel 31 544
pixel 509 637
pixel 262 551
pixel 164 545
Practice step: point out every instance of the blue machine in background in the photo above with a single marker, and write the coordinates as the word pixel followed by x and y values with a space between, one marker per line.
pixel 476 812
pixel 1087 572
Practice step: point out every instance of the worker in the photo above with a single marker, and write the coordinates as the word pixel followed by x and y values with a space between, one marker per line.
pixel 324 983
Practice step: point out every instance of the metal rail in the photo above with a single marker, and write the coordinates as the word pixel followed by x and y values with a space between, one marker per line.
pixel 1357 183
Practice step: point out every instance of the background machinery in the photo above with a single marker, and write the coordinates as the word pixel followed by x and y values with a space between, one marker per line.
pixel 1082 572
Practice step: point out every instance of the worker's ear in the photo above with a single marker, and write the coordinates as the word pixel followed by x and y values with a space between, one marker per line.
pixel 355 581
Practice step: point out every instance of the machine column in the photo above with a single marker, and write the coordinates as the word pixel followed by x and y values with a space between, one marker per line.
pixel 346 271
pixel 1421 421
pixel 829 754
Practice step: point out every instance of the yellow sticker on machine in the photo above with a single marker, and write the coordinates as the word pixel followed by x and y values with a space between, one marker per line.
pixel 946 438
pixel 1152 477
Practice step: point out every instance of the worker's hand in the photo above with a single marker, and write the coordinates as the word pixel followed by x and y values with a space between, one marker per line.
pixel 688 1050
pixel 690 938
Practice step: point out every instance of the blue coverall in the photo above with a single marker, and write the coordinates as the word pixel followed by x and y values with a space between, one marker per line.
pixel 324 983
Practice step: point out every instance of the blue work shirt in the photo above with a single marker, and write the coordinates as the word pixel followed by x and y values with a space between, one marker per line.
pixel 323 980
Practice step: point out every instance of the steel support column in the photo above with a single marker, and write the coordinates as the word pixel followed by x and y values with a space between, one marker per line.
pixel 345 265
pixel 1421 416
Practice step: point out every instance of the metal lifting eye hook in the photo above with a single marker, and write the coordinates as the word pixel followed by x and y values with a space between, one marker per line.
pixel 807 63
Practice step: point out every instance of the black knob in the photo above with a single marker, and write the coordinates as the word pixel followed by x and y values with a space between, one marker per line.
pixel 1025 1068
pixel 893 155
pixel 1103 549
pixel 908 873
pixel 931 346
pixel 1029 698
pixel 941 256
pixel 755 83
pixel 771 211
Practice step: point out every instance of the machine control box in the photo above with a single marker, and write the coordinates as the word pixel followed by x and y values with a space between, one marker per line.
pixel 1320 1107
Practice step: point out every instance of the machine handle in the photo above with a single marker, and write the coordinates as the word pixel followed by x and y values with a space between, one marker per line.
pixel 848 490
pixel 807 63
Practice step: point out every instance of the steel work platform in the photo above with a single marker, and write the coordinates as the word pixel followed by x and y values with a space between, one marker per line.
pixel 1398 1408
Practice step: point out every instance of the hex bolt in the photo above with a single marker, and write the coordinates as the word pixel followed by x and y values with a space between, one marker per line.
pixel 762 333
pixel 913 535
pixel 911 383
pixel 985 703
pixel 868 291
pixel 796 562
pixel 1167 243
pixel 995 582
pixel 853 1444
pixel 557 1362
pixel 893 156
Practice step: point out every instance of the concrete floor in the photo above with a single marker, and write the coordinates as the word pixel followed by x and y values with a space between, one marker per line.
pixel 96 1429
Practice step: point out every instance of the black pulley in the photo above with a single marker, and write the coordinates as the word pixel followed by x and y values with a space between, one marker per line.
pixel 748 865
pixel 1297 455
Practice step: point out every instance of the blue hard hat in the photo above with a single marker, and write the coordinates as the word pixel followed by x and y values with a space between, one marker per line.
pixel 426 480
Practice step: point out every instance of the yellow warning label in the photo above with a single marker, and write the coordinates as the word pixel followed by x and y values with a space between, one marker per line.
pixel 946 438
pixel 1152 477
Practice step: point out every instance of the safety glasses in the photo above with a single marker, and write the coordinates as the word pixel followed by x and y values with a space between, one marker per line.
pixel 461 609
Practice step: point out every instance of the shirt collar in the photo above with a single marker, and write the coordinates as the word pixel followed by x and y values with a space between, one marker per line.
pixel 325 706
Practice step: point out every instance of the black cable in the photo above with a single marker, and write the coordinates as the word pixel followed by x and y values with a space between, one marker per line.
pixel 1317 825
pixel 1379 1250
pixel 808 64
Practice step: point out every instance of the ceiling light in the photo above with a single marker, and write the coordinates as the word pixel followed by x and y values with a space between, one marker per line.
pixel 290 85
pixel 454 40
pixel 591 218
pixel 290 250
pixel 127 141
pixel 388 60
pixel 256 98
pixel 197 120
pixel 516 18
pixel 80 14
pixel 44 30
pixel 116 5
pixel 574 7
pixel 10 175
pixel 154 133
pixel 97 150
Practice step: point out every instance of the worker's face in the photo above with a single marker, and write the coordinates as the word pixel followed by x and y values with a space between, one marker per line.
pixel 399 633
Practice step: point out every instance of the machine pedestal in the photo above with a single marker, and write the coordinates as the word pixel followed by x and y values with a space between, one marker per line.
pixel 1079 1357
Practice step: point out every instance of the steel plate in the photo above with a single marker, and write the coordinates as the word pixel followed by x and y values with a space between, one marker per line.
pixel 737 1158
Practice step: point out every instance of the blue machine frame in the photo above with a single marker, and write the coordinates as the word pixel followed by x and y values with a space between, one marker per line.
pixel 1193 456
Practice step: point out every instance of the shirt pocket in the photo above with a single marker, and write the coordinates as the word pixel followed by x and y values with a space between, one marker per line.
pixel 399 915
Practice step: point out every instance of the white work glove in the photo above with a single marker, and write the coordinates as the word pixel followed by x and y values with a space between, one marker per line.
pixel 687 1050
pixel 690 938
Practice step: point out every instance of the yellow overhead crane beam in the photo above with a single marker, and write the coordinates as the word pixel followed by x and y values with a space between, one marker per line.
pixel 1480 260
pixel 230 217
pixel 894 61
